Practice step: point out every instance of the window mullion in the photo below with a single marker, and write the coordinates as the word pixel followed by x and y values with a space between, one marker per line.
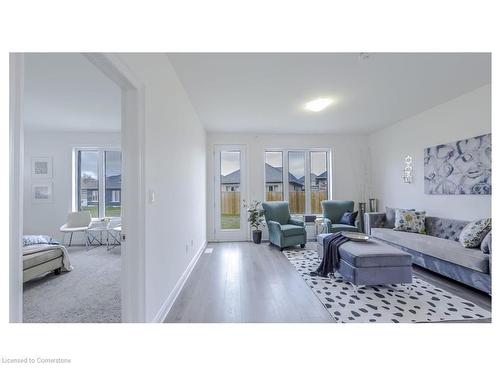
pixel 329 180
pixel 285 176
pixel 307 181
pixel 102 184
pixel 78 180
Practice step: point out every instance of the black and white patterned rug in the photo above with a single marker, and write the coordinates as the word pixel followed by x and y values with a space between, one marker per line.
pixel 384 303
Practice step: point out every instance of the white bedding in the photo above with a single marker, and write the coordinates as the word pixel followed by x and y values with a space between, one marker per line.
pixel 32 249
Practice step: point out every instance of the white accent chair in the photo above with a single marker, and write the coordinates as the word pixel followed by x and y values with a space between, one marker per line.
pixel 76 222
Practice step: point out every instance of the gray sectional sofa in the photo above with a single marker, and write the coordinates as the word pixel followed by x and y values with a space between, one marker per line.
pixel 439 250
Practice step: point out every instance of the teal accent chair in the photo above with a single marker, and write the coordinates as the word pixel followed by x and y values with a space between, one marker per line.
pixel 332 213
pixel 283 230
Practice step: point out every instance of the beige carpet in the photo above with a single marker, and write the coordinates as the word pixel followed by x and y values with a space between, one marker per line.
pixel 88 294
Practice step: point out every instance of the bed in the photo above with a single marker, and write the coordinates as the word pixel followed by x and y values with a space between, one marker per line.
pixel 42 255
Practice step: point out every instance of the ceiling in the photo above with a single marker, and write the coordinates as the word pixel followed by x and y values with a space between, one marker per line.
pixel 266 92
pixel 66 92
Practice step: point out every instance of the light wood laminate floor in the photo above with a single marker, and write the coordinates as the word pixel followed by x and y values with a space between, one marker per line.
pixel 244 282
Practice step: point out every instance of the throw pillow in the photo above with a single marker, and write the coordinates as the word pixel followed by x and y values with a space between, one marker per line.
pixel 473 233
pixel 410 221
pixel 390 216
pixel 38 239
pixel 486 244
pixel 349 218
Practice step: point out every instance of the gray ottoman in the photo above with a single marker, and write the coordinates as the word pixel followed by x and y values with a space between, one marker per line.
pixel 372 262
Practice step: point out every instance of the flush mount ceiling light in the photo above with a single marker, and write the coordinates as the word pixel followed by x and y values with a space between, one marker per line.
pixel 318 105
pixel 364 56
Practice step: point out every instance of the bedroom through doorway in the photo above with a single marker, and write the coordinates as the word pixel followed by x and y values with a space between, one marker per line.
pixel 72 196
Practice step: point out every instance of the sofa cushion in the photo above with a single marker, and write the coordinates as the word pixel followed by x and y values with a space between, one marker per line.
pixel 473 233
pixel 373 254
pixel 292 230
pixel 410 221
pixel 449 229
pixel 440 248
pixel 35 259
pixel 343 227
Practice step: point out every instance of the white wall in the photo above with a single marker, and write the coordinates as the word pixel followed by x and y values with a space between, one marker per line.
pixel 463 117
pixel 176 171
pixel 46 218
pixel 350 163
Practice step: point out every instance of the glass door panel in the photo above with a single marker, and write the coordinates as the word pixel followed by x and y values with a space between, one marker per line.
pixel 230 221
pixel 230 181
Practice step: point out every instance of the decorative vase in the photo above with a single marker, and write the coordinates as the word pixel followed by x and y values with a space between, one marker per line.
pixel 257 236
pixel 361 213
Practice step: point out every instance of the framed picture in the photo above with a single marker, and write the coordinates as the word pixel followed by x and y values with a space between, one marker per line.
pixel 41 192
pixel 41 167
pixel 459 168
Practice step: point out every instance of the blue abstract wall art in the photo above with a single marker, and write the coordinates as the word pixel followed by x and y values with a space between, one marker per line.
pixel 462 167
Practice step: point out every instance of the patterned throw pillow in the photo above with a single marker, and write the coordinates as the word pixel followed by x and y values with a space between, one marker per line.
pixel 486 244
pixel 390 216
pixel 473 233
pixel 38 239
pixel 410 221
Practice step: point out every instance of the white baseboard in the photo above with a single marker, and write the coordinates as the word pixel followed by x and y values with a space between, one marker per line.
pixel 169 302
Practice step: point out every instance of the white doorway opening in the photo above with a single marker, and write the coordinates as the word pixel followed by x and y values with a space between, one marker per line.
pixel 132 194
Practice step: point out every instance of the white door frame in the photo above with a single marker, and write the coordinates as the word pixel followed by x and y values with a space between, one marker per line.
pixel 133 184
pixel 230 234
pixel 16 166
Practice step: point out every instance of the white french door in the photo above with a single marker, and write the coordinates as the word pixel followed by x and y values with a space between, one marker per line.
pixel 230 191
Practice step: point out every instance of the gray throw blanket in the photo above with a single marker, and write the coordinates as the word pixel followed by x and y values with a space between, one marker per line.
pixel 331 258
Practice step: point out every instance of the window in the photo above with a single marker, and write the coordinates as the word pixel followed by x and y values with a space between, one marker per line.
pixel 274 175
pixel 98 182
pixel 113 183
pixel 88 182
pixel 296 181
pixel 306 183
pixel 318 180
